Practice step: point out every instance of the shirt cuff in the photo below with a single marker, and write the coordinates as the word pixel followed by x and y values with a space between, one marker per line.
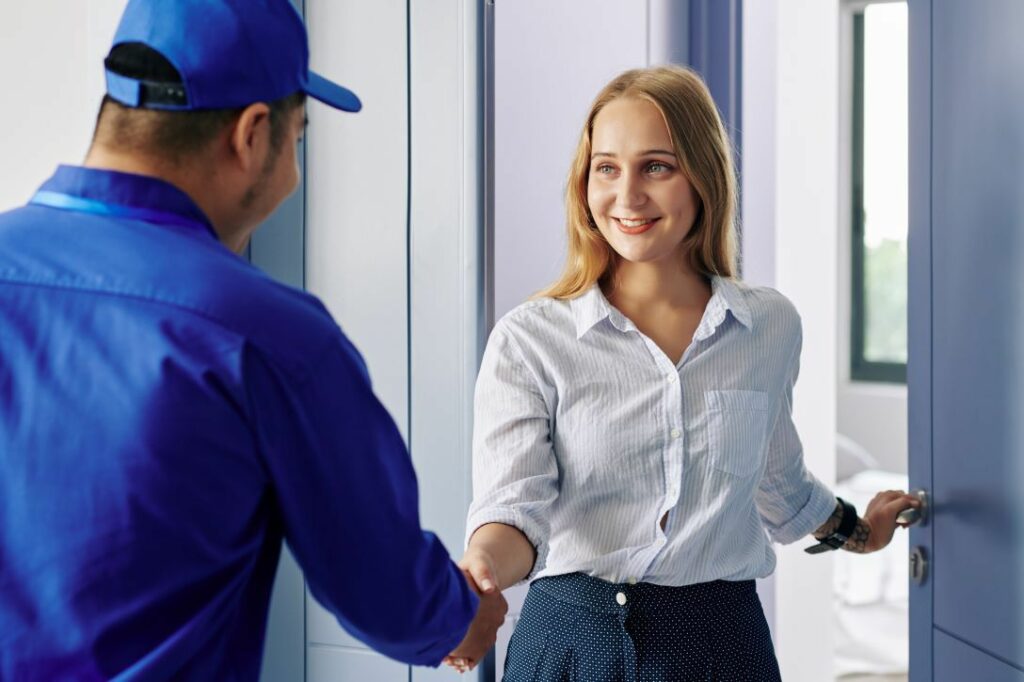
pixel 510 516
pixel 811 517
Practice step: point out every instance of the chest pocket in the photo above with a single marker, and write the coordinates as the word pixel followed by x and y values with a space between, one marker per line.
pixel 737 426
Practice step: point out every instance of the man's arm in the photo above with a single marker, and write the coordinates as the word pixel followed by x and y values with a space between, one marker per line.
pixel 344 486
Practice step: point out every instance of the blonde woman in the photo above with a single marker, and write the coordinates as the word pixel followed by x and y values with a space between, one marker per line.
pixel 634 452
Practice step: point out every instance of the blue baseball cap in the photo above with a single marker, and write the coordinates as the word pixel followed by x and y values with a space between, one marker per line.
pixel 230 54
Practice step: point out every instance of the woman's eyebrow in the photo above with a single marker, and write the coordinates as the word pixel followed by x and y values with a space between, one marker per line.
pixel 647 152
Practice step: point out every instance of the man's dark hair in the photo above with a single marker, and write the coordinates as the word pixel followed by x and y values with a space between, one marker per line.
pixel 172 135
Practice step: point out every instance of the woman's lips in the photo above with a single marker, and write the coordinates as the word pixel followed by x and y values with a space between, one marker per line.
pixel 633 227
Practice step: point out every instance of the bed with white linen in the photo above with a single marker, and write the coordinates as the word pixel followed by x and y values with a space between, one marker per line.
pixel 870 592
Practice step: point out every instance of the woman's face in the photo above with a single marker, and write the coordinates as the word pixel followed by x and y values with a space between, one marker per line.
pixel 640 200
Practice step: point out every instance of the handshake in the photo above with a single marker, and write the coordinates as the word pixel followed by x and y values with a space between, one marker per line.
pixel 478 568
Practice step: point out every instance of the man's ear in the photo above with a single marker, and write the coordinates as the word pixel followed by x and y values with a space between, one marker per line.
pixel 249 139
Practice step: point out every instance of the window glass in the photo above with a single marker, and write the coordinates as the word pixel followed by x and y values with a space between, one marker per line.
pixel 880 193
pixel 885 182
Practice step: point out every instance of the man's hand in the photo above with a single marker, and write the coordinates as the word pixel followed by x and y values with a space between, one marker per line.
pixel 483 631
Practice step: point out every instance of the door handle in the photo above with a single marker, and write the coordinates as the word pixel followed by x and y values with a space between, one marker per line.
pixel 912 516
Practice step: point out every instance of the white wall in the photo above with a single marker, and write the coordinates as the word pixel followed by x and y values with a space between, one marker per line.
pixel 551 58
pixel 356 185
pixel 806 257
pixel 51 71
pixel 790 210
pixel 759 115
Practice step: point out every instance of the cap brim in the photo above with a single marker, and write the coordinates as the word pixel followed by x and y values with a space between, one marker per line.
pixel 332 94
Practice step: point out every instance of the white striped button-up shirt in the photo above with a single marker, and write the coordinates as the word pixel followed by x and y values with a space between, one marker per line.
pixel 586 435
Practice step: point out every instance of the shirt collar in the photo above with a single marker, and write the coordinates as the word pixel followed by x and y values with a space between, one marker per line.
pixel 733 300
pixel 126 189
pixel 591 307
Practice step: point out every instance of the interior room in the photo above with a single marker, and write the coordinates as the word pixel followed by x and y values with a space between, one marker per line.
pixel 440 207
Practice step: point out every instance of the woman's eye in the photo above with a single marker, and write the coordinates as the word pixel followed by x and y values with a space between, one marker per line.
pixel 604 168
pixel 659 167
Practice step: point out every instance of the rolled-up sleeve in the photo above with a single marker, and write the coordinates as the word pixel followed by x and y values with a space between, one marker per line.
pixel 515 477
pixel 344 486
pixel 791 500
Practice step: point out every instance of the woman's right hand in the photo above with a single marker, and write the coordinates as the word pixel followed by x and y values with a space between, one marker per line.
pixel 478 567
pixel 498 556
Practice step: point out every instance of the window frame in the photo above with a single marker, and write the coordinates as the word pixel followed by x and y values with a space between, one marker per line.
pixel 861 368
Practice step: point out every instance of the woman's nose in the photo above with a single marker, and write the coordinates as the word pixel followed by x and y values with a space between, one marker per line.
pixel 631 191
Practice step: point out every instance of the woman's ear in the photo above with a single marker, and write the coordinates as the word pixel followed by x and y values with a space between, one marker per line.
pixel 249 140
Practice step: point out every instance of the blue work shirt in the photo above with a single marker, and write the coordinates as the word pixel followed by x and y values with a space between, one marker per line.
pixel 168 413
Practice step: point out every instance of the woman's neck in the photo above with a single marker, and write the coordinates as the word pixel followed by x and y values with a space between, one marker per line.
pixel 644 286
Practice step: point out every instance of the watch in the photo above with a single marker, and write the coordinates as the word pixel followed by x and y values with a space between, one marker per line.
pixel 840 535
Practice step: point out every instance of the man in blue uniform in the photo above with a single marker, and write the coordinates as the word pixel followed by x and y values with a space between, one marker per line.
pixel 168 413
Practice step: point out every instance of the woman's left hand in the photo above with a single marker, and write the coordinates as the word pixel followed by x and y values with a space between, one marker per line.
pixel 880 517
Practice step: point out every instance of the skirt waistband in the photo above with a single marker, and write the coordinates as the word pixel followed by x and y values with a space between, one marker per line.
pixel 595 594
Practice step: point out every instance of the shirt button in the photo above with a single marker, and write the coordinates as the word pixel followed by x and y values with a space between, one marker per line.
pixel 620 598
pixel 673 377
pixel 676 433
pixel 632 581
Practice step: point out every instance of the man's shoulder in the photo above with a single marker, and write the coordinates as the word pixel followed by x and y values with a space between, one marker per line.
pixel 288 324
pixel 184 274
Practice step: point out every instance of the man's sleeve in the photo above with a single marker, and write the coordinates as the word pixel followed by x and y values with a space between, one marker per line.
pixel 346 491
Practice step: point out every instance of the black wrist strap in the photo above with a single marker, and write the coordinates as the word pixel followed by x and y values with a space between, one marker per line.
pixel 838 538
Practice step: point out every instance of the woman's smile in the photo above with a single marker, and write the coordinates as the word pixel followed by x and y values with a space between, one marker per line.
pixel 635 226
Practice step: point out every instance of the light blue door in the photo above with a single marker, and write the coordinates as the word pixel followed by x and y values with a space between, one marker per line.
pixel 966 371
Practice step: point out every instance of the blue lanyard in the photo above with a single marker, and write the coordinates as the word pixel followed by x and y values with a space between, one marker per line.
pixel 70 202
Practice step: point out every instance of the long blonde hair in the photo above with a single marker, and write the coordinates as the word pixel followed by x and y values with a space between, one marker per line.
pixel 704 154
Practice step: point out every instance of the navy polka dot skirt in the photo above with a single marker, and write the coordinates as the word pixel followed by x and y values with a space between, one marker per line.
pixel 575 627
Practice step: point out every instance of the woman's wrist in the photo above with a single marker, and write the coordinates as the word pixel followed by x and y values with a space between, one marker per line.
pixel 831 525
pixel 504 549
pixel 860 536
pixel 858 542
